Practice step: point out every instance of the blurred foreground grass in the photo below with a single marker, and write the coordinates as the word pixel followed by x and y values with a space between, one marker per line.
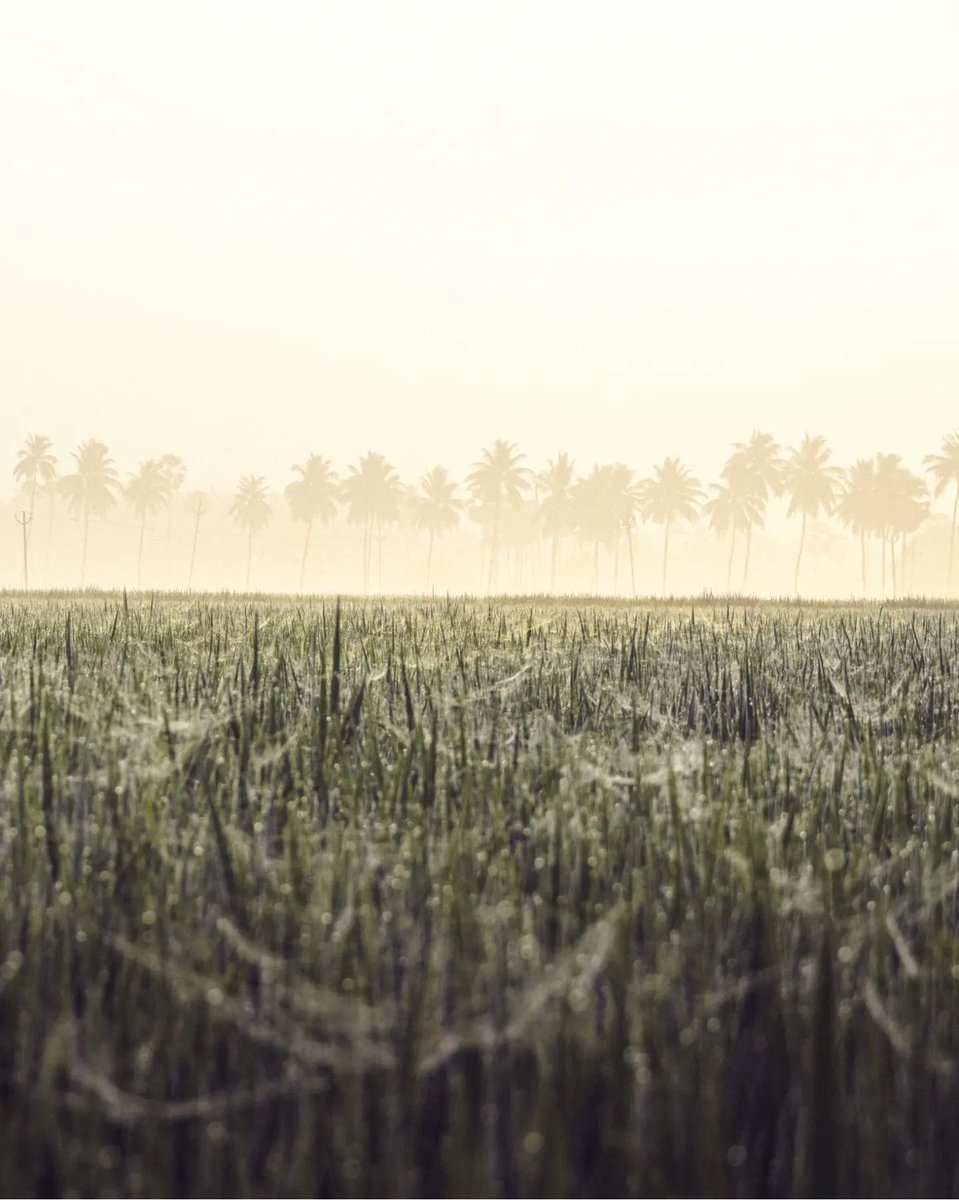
pixel 465 898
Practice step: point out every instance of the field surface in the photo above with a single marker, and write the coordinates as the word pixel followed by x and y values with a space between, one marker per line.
pixel 471 898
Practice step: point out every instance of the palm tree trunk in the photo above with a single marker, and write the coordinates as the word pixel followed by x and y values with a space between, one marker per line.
pixel 665 552
pixel 306 550
pixel 632 563
pixel 802 542
pixel 143 529
pixel 749 543
pixel 493 549
pixel 952 539
pixel 862 557
pixel 616 564
pixel 902 564
pixel 429 560
pixel 86 539
pixel 196 535
pixel 367 552
pixel 729 565
pixel 249 556
pixel 169 530
pixel 596 565
pixel 554 559
pixel 882 577
pixel 50 516
pixel 892 563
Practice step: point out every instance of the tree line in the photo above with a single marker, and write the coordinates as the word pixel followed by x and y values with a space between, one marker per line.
pixel 879 500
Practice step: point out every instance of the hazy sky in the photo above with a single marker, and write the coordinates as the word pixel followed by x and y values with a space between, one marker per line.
pixel 245 231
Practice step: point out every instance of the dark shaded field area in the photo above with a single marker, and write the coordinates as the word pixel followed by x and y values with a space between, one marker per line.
pixel 466 898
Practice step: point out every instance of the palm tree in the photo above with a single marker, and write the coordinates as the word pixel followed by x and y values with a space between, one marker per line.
pixel 557 507
pixel 436 509
pixel 901 507
pixel 36 466
pixel 198 508
pixel 497 482
pixel 312 497
pixel 91 489
pixel 754 470
pixel 734 507
pixel 605 506
pixel 944 469
pixel 672 494
pixel 174 469
pixel 147 492
pixel 857 506
pixel 251 511
pixel 372 492
pixel 812 486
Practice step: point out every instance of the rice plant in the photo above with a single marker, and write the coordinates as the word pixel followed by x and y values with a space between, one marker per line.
pixel 473 898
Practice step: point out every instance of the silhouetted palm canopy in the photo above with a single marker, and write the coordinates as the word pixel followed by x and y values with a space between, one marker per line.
pixel 93 486
pixel 91 489
pixel 312 497
pixel 735 507
pixel 556 505
pixel 147 492
pixel 36 465
pixel 557 516
pixel 605 507
pixel 497 482
pixel 436 509
pixel 148 489
pixel 856 505
pixel 671 494
pixel 251 511
pixel 883 499
pixel 944 469
pixel 372 492
pixel 812 486
pixel 758 464
pixel 752 473
pixel 250 508
pixel 174 472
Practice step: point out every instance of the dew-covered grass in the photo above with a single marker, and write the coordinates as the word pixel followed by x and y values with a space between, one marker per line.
pixel 471 898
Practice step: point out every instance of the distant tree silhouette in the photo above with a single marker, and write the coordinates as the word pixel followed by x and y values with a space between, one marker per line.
pixel 944 469
pixel 497 482
pixel 436 509
pixel 901 507
pixel 372 492
pixel 312 498
pixel 36 466
pixel 857 507
pixel 147 493
pixel 812 486
pixel 251 511
pixel 735 507
pixel 754 471
pixel 198 509
pixel 174 470
pixel 90 490
pixel 605 505
pixel 557 508
pixel 671 494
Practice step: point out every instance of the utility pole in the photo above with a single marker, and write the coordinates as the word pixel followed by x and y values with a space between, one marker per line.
pixel 198 512
pixel 24 521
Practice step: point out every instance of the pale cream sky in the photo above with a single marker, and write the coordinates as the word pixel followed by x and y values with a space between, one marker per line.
pixel 242 232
